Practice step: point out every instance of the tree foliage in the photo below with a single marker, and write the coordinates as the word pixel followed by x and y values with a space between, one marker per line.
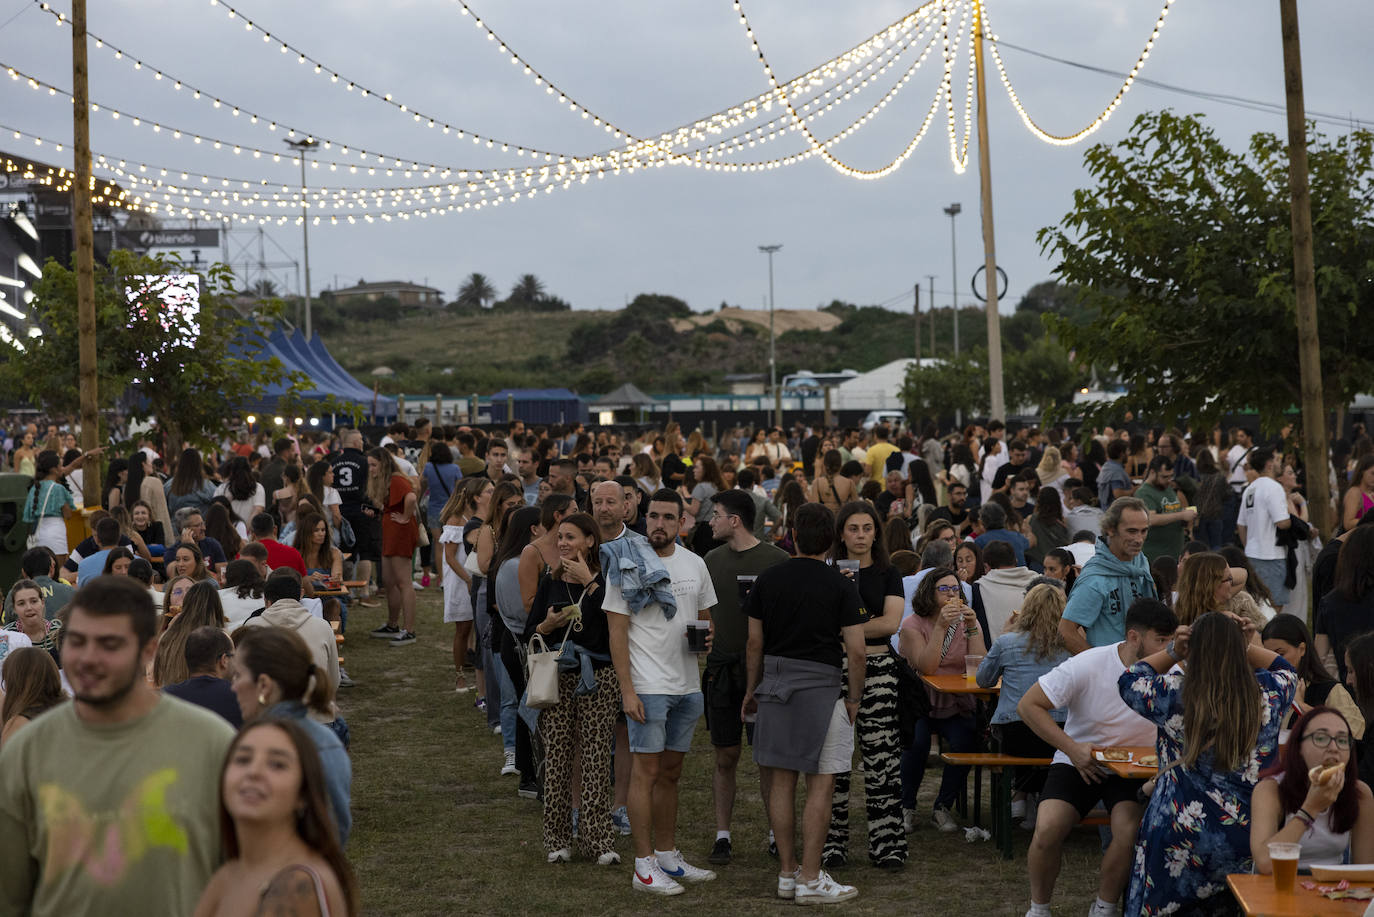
pixel 954 384
pixel 1183 249
pixel 142 364
pixel 476 291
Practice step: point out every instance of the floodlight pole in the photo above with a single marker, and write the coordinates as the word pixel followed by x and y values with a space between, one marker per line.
pixel 770 250
pixel 302 147
pixel 85 258
pixel 952 211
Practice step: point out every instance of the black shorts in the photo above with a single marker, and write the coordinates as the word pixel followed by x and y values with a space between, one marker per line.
pixel 1065 783
pixel 367 535
pixel 722 688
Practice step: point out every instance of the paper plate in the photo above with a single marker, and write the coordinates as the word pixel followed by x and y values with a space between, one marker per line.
pixel 1355 873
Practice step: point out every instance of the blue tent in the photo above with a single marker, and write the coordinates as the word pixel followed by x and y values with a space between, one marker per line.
pixel 326 377
pixel 538 405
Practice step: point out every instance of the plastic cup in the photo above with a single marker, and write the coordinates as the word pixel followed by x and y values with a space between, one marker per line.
pixel 971 664
pixel 745 585
pixel 848 564
pixel 1285 860
pixel 697 632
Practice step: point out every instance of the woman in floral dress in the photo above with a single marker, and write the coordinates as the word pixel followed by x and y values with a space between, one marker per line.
pixel 1218 728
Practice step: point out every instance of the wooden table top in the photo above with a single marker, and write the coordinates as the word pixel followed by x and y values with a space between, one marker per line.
pixel 958 684
pixel 1257 896
pixel 1130 769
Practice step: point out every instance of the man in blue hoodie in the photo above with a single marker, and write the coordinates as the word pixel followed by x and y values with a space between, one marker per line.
pixel 1111 580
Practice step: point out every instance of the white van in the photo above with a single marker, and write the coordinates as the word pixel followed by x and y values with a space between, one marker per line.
pixel 895 420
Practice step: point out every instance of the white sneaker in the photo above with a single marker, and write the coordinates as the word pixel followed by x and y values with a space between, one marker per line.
pixel 944 821
pixel 787 885
pixel 561 855
pixel 909 821
pixel 496 730
pixel 824 890
pixel 679 869
pixel 656 882
pixel 509 767
pixel 609 858
pixel 1098 910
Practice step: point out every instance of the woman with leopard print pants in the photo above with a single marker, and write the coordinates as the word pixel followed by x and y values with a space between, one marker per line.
pixel 567 606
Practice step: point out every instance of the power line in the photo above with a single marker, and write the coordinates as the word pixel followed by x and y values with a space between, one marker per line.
pixel 1219 97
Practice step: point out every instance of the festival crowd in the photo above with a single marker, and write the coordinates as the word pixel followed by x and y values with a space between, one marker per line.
pixel 171 741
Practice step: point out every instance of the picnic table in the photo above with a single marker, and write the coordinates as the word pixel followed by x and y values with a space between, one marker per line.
pixel 1257 896
pixel 958 684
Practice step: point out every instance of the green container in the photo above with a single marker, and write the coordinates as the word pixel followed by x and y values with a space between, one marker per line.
pixel 14 531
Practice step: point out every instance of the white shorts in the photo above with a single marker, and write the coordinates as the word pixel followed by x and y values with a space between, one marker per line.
pixel 52 534
pixel 837 754
pixel 457 599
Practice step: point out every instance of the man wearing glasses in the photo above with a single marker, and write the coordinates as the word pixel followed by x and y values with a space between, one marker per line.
pixel 208 654
pixel 733 567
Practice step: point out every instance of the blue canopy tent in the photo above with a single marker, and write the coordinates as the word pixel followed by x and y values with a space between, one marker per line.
pixel 326 377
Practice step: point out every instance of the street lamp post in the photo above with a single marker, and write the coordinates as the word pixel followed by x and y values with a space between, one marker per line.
pixel 302 147
pixel 952 211
pixel 769 250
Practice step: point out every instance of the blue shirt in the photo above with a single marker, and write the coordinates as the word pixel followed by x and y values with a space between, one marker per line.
pixel 338 769
pixel 1019 543
pixel 1010 660
pixel 441 480
pixel 1112 477
pixel 91 567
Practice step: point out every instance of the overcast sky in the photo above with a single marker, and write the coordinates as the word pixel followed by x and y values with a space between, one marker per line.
pixel 650 67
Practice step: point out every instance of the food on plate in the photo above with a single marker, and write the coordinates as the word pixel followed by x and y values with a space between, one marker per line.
pixel 1148 761
pixel 1114 754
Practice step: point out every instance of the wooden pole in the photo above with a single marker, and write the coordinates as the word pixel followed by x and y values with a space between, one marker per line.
pixel 85 257
pixel 1304 277
pixel 996 400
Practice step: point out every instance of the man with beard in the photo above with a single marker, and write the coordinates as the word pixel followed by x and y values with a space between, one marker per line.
pixel 661 694
pixel 110 804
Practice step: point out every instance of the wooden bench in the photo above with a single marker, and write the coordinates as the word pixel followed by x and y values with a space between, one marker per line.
pixel 1001 788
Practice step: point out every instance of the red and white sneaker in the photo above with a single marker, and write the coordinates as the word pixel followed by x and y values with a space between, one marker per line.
pixel 655 881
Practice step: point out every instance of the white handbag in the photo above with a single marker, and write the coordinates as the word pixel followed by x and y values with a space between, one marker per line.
pixel 541 685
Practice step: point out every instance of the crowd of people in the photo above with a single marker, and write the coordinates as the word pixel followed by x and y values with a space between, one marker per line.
pixel 608 590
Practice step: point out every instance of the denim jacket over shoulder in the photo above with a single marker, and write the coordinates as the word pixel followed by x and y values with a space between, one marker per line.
pixel 631 564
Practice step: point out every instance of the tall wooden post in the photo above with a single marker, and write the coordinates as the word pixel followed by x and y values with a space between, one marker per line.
pixel 85 257
pixel 997 402
pixel 1304 277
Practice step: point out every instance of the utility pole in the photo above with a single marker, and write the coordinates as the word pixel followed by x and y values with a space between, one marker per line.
pixel 770 250
pixel 931 279
pixel 302 147
pixel 1304 276
pixel 85 259
pixel 997 402
pixel 952 211
pixel 916 314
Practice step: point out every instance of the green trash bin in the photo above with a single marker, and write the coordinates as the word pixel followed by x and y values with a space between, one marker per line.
pixel 14 531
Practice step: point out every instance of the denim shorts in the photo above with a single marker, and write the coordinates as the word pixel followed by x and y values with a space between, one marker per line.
pixel 669 721
pixel 1273 573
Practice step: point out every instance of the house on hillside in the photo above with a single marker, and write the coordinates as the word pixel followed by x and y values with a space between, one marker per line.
pixel 404 292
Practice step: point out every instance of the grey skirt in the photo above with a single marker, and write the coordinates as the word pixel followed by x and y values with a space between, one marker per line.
pixel 796 703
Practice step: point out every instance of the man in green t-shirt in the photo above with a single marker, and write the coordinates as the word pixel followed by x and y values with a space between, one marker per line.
pixel 1170 515
pixel 110 804
pixel 732 566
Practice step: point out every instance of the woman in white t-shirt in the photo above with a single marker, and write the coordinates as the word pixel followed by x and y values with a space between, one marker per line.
pixel 319 477
pixel 246 496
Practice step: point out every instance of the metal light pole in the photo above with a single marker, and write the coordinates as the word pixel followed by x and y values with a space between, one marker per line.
pixel 952 211
pixel 769 250
pixel 302 147
pixel 931 279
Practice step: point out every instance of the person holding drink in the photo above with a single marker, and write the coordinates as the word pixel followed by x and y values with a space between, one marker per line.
pixel 1312 801
pixel 1218 727
pixel 940 632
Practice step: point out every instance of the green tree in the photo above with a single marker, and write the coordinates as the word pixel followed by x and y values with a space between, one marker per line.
pixel 527 291
pixel 1041 376
pixel 476 291
pixel 954 384
pixel 1184 250
pixel 179 369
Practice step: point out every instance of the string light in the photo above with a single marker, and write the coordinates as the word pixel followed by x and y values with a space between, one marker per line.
pixel 1079 135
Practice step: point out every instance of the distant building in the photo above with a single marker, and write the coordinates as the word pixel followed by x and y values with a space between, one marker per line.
pixel 747 383
pixel 404 292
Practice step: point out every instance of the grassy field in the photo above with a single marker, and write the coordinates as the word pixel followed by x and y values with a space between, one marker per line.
pixel 437 831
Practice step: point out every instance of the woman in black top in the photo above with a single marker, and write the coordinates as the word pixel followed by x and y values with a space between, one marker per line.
pixel 567 611
pixel 858 538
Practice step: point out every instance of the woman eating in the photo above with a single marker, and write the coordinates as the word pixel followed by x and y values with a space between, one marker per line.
pixel 1314 798
pixel 567 608
pixel 283 853
pixel 934 639
pixel 1218 728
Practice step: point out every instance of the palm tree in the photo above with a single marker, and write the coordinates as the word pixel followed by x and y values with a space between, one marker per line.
pixel 528 289
pixel 476 291
pixel 264 288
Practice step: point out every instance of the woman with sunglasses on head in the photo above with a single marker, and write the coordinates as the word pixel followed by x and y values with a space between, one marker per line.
pixel 1331 815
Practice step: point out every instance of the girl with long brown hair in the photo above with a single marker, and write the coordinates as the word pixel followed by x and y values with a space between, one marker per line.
pixel 1218 727
pixel 35 686
pixel 1204 585
pixel 393 492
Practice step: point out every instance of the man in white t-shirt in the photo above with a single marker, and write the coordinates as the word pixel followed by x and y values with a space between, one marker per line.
pixel 1263 512
pixel 1085 686
pixel 660 686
